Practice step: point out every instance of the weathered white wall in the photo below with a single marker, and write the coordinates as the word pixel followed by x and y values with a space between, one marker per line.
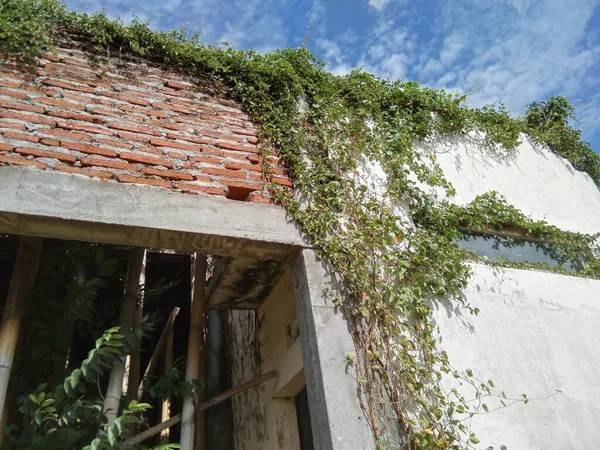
pixel 531 177
pixel 538 334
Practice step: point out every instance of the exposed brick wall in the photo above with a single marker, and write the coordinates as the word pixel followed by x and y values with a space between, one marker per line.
pixel 128 120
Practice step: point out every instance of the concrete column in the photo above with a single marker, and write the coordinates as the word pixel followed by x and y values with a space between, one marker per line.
pixel 337 419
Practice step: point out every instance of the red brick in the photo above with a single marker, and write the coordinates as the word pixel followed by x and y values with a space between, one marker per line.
pixel 19 76
pixel 137 180
pixel 283 181
pixel 238 190
pixel 49 141
pixel 155 151
pixel 223 173
pixel 76 62
pixel 207 159
pixel 193 139
pixel 94 130
pixel 196 122
pixel 70 69
pixel 144 111
pixel 25 87
pixel 45 154
pixel 115 143
pixel 210 151
pixel 179 109
pixel 257 177
pixel 21 161
pixel 89 173
pixel 75 116
pixel 124 98
pixel 21 136
pixel 203 179
pixel 133 137
pixel 21 107
pixel 252 140
pixel 146 92
pixel 13 94
pixel 69 86
pixel 260 199
pixel 83 148
pixel 64 134
pixel 60 103
pixel 235 115
pixel 27 118
pixel 171 126
pixel 167 174
pixel 50 57
pixel 176 86
pixel 222 119
pixel 237 148
pixel 12 125
pixel 5 147
pixel 186 103
pixel 220 136
pixel 133 157
pixel 236 166
pixel 112 164
pixel 206 189
pixel 254 159
pixel 172 144
pixel 133 129
pixel 89 99
pixel 177 155
pixel 110 113
pixel 244 131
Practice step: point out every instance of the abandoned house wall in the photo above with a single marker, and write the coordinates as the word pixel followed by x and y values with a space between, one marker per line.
pixel 128 120
pixel 540 183
pixel 536 332
pixel 261 341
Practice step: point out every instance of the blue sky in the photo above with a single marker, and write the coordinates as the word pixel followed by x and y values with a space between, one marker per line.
pixel 513 51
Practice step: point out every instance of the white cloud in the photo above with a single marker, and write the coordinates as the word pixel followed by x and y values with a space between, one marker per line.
pixel 394 66
pixel 453 45
pixel 378 4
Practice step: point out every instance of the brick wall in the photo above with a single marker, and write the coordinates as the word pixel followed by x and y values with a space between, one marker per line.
pixel 128 120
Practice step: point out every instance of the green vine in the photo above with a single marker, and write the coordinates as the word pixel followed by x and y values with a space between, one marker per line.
pixel 393 246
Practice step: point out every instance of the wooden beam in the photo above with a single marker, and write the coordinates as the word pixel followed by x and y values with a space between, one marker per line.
pixel 194 367
pixel 201 407
pixel 21 284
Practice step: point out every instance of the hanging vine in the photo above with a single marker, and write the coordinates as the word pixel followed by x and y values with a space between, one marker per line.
pixel 393 245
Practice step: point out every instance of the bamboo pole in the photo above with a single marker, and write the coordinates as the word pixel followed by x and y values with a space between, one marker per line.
pixel 21 283
pixel 194 366
pixel 166 404
pixel 134 360
pixel 162 341
pixel 201 407
pixel 114 391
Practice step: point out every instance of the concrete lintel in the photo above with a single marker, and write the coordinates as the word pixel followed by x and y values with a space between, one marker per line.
pixel 67 206
pixel 242 283
pixel 338 421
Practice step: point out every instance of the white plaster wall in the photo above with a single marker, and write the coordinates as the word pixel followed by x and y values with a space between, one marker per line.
pixel 538 334
pixel 531 177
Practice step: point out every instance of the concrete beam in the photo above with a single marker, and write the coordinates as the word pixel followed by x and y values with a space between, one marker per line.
pixel 66 206
pixel 242 283
pixel 337 419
